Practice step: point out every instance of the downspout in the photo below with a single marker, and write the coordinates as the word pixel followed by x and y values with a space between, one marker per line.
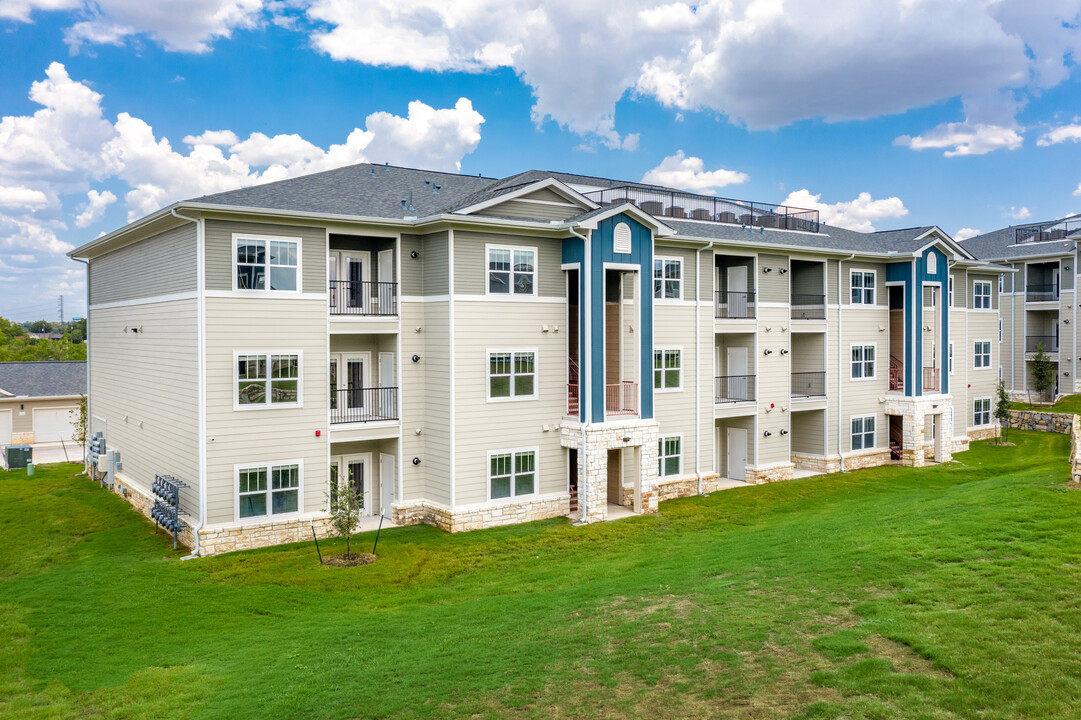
pixel 840 360
pixel 1073 333
pixel 201 349
pixel 89 414
pixel 584 399
pixel 698 365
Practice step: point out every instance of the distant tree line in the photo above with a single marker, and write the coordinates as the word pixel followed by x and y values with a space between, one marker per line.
pixel 16 345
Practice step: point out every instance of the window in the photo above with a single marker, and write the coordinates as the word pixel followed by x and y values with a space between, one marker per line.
pixel 1000 330
pixel 949 358
pixel 667 278
pixel 981 411
pixel 863 432
pixel 669 458
pixel 267 379
pixel 863 287
pixel 863 361
pixel 981 295
pixel 1001 282
pixel 512 271
pixel 667 369
pixel 512 374
pixel 982 354
pixel 511 474
pixel 949 293
pixel 268 490
pixel 264 263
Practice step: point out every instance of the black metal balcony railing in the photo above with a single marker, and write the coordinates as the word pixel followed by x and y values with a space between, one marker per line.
pixel 734 306
pixel 808 384
pixel 808 307
pixel 1048 342
pixel 363 297
pixel 1044 292
pixel 733 389
pixel 353 405
pixel 1042 232
pixel 674 204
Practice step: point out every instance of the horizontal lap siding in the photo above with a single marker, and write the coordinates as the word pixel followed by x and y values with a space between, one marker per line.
pixel 774 385
pixel 164 264
pixel 861 397
pixel 808 432
pixel 22 420
pixel 273 434
pixel 984 382
pixel 673 326
pixel 220 260
pixel 471 265
pixel 150 378
pixel 435 265
pixel 688 257
pixel 426 401
pixel 530 211
pixel 881 296
pixel 482 426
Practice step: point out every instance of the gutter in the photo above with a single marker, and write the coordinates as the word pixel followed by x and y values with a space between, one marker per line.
pixel 840 360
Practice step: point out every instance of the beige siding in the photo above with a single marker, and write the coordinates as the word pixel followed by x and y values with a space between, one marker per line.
pixel 881 296
pixel 482 426
pixel 861 397
pixel 272 434
pixel 144 391
pixel 808 432
pixel 471 265
pixel 774 383
pixel 22 412
pixel 530 210
pixel 163 264
pixel 426 401
pixel 772 286
pixel 674 410
pixel 428 273
pixel 688 257
pixel 220 257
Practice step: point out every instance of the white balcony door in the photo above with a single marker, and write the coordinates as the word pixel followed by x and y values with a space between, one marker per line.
pixel 386 380
pixel 357 378
pixel 385 293
pixel 737 454
pixel 737 373
pixel 335 385
pixel 357 271
pixel 358 475
pixel 388 481
pixel 737 283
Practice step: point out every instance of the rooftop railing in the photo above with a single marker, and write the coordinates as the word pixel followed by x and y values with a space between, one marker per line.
pixel 1044 232
pixel 688 206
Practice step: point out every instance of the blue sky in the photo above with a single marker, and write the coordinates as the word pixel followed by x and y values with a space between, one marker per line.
pixel 958 113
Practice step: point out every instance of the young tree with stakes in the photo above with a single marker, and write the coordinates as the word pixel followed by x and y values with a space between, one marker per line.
pixel 1002 410
pixel 346 504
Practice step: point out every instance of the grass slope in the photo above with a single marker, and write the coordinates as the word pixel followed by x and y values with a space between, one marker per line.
pixel 944 592
pixel 1067 404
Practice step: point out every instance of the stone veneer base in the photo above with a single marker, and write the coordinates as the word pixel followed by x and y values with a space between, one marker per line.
pixel 477 517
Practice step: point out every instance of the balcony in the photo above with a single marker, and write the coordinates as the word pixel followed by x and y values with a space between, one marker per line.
pixel 808 307
pixel 1047 292
pixel 897 374
pixel 621 398
pixel 1043 232
pixel 733 389
pixel 734 306
pixel 931 379
pixel 363 298
pixel 808 384
pixel 362 405
pixel 1048 342
pixel 573 402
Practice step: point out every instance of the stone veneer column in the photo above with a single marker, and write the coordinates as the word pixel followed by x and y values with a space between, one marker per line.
pixel 600 438
pixel 912 444
pixel 944 434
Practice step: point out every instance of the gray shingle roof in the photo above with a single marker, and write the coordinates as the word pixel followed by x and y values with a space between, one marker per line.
pixel 1001 244
pixel 43 379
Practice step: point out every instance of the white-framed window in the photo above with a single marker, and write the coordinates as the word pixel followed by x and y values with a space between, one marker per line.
pixel 1000 331
pixel 863 362
pixel 266 263
pixel 981 354
pixel 512 374
pixel 667 369
pixel 267 379
pixel 512 473
pixel 981 411
pixel 670 455
pixel 1001 282
pixel 949 358
pixel 512 271
pixel 863 432
pixel 863 287
pixel 667 278
pixel 268 489
pixel 981 295
pixel 949 293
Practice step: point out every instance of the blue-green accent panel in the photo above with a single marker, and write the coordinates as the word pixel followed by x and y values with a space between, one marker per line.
pixel 939 275
pixel 574 251
pixel 901 272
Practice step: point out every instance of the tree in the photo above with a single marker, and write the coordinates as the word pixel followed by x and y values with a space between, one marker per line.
pixel 79 422
pixel 346 505
pixel 1043 371
pixel 1002 410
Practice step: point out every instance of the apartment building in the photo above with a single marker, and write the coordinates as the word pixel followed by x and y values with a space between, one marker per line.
pixel 1037 307
pixel 470 352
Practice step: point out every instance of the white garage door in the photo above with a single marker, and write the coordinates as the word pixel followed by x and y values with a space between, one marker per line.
pixel 52 425
pixel 5 427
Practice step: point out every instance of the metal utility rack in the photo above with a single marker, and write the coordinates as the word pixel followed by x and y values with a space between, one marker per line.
pixel 166 511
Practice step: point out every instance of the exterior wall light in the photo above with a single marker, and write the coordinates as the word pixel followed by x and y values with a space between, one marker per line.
pixel 767 351
pixel 767 433
pixel 416 358
pixel 784 351
pixel 416 461
pixel 784 432
pixel 414 254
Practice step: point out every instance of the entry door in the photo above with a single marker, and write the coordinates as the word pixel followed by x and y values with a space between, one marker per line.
pixel 335 397
pixel 385 290
pixel 737 291
pixel 615 477
pixel 737 374
pixel 358 477
pixel 388 481
pixel 737 453
pixel 356 273
pixel 386 381
pixel 358 380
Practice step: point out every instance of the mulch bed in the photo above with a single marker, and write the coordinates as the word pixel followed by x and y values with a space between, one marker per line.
pixel 350 560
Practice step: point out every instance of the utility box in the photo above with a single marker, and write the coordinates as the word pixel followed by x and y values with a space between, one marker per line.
pixel 19 456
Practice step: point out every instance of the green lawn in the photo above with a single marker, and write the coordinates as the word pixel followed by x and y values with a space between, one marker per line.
pixel 945 592
pixel 1068 404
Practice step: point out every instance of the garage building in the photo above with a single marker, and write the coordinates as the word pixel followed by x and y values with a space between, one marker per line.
pixel 37 400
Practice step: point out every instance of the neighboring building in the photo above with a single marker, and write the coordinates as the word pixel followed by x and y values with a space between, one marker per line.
pixel 44 336
pixel 471 352
pixel 1037 307
pixel 37 400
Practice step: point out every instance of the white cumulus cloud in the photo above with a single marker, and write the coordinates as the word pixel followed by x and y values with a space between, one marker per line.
pixel 22 197
pixel 689 173
pixel 859 214
pixel 94 209
pixel 212 137
pixel 965 233
pixel 1021 213
pixel 964 139
pixel 1061 134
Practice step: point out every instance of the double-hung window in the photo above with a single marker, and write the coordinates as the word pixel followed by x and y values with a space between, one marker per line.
pixel 512 271
pixel 863 432
pixel 667 369
pixel 981 295
pixel 863 361
pixel 264 490
pixel 667 278
pixel 267 380
pixel 949 359
pixel 981 354
pixel 863 287
pixel 512 374
pixel 949 292
pixel 669 455
pixel 981 411
pixel 511 474
pixel 266 263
